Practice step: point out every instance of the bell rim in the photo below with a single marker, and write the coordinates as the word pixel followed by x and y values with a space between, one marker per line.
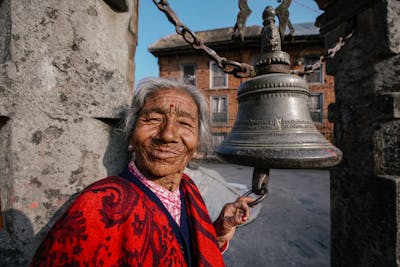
pixel 280 160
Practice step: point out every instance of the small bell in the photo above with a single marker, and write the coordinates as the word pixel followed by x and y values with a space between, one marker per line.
pixel 273 128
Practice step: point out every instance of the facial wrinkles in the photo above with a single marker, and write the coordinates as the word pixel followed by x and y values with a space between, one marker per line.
pixel 171 110
pixel 176 135
pixel 166 134
pixel 174 110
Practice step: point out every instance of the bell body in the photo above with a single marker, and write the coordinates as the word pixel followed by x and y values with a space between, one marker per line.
pixel 274 129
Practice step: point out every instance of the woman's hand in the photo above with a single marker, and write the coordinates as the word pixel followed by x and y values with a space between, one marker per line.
pixel 232 215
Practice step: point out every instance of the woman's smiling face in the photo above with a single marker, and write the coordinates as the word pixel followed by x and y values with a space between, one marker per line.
pixel 167 133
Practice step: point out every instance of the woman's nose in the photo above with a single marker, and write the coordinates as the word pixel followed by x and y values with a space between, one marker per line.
pixel 168 130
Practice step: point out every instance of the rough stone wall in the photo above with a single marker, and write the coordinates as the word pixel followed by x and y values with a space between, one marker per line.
pixel 365 187
pixel 63 80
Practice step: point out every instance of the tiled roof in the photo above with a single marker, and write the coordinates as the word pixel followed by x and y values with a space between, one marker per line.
pixel 305 29
pixel 222 35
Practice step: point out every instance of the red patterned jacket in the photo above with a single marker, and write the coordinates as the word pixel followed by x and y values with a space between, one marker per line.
pixel 116 222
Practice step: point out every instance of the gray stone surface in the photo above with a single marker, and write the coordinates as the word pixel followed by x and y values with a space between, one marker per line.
pixel 63 80
pixel 293 225
pixel 365 187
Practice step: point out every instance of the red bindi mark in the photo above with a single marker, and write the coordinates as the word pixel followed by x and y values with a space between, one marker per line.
pixel 171 107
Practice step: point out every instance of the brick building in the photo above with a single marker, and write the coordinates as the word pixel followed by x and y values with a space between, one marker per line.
pixel 177 60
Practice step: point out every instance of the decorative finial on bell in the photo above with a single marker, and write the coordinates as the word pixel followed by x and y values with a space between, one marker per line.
pixel 271 39
pixel 272 58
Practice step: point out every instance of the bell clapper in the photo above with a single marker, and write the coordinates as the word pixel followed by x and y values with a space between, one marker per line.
pixel 259 185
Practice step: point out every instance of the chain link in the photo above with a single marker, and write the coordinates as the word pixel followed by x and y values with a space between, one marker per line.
pixel 308 69
pixel 239 70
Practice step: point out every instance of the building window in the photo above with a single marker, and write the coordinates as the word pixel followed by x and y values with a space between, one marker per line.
pixel 218 78
pixel 217 139
pixel 219 109
pixel 316 76
pixel 189 74
pixel 315 104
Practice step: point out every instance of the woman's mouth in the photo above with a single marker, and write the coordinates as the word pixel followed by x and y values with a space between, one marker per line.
pixel 163 154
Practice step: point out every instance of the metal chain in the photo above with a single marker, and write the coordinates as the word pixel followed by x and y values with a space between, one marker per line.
pixel 238 69
pixel 331 54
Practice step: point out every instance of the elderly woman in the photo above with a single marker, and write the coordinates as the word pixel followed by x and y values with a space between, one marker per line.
pixel 152 214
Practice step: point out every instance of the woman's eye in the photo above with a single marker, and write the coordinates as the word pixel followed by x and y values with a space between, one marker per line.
pixel 152 119
pixel 186 123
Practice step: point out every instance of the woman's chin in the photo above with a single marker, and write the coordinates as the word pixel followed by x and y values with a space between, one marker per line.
pixel 162 168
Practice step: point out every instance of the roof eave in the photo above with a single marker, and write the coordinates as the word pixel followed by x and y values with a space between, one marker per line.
pixel 247 43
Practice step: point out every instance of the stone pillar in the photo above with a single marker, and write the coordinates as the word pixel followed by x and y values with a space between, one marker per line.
pixel 365 192
pixel 63 79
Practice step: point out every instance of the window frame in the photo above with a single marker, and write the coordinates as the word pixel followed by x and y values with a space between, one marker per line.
pixel 311 59
pixel 217 123
pixel 320 110
pixel 182 68
pixel 214 138
pixel 212 86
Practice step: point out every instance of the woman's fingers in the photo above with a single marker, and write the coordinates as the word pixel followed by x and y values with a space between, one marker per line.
pixel 243 208
pixel 232 215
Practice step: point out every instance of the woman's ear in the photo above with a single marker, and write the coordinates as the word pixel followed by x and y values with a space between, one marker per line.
pixel 131 148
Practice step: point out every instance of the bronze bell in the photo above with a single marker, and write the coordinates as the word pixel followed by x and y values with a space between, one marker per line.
pixel 273 128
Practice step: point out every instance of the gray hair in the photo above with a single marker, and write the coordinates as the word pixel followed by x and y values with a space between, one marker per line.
pixel 148 86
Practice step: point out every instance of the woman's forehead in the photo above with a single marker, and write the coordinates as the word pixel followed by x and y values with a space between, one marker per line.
pixel 170 95
pixel 171 98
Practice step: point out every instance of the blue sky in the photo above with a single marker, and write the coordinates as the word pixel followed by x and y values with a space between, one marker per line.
pixel 202 15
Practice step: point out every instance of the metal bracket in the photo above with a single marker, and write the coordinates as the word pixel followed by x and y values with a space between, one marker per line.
pixel 259 185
